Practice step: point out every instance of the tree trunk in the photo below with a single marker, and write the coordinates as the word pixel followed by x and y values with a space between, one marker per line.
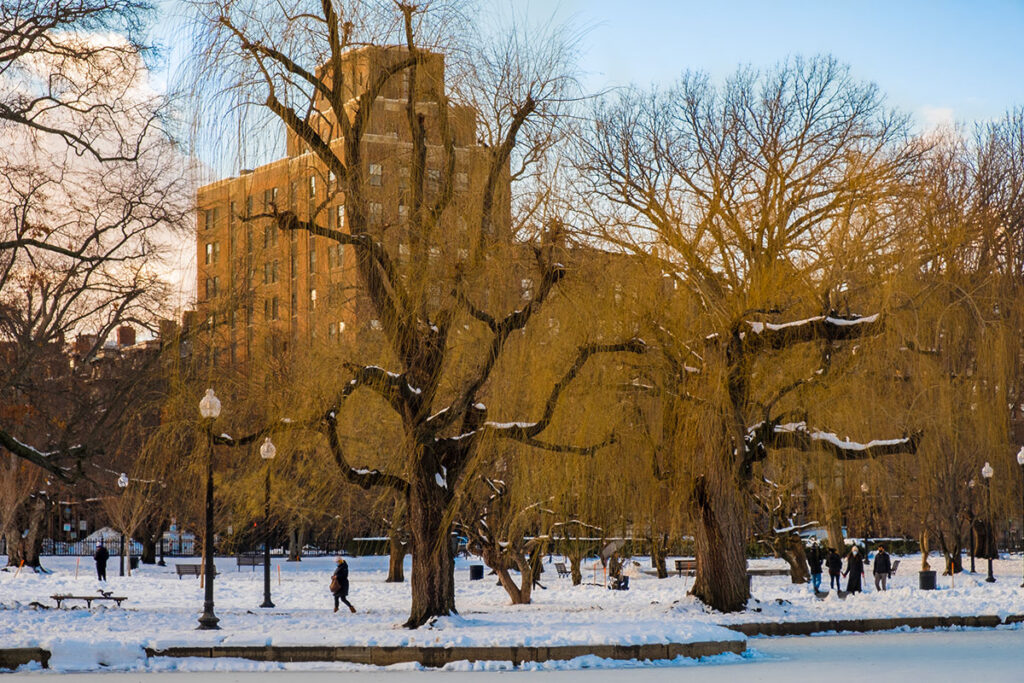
pixel 721 581
pixel 791 549
pixel 296 539
pixel 26 549
pixel 575 562
pixel 658 547
pixel 433 562
pixel 396 558
pixel 924 551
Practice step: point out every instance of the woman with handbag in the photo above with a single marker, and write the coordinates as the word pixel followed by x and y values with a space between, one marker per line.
pixel 339 585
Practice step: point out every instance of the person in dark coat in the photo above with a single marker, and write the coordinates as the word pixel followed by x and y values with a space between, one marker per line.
pixel 814 559
pixel 835 567
pixel 882 568
pixel 339 585
pixel 854 571
pixel 101 556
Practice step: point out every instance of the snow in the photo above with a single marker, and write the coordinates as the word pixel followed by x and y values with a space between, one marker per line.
pixel 509 425
pixel 161 611
pixel 759 327
pixel 845 444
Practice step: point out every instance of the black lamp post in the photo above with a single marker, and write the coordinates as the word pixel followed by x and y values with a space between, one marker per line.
pixel 122 483
pixel 267 452
pixel 970 518
pixel 209 408
pixel 1020 461
pixel 987 473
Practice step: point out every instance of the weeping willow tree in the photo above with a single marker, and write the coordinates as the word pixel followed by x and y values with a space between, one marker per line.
pixel 454 277
pixel 959 345
pixel 769 204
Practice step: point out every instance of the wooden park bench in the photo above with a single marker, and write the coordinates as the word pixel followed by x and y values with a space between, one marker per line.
pixel 560 568
pixel 249 561
pixel 189 570
pixel 688 567
pixel 89 598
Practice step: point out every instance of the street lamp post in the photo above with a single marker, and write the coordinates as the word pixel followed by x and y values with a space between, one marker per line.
pixel 867 505
pixel 209 408
pixel 970 518
pixel 1020 461
pixel 987 473
pixel 267 452
pixel 122 483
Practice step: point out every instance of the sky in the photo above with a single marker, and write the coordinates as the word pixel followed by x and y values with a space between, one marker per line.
pixel 940 60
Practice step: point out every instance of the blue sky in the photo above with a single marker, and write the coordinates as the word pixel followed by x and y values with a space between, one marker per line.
pixel 939 59
pixel 935 59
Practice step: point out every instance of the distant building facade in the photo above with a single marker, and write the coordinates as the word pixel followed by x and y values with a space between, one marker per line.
pixel 261 290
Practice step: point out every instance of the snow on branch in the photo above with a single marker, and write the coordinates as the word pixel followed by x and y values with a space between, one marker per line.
pixel 365 478
pixel 778 336
pixel 47 460
pixel 798 436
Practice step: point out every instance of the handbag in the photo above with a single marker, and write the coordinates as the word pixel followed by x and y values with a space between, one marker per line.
pixel 335 584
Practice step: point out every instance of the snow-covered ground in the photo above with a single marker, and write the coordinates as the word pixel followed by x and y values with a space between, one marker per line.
pixel 161 610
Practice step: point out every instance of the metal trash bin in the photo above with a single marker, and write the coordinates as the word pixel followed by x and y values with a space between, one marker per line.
pixel 926 580
pixel 476 572
pixel 133 562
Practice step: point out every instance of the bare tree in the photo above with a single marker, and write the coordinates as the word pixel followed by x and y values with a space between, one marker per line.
pixel 749 198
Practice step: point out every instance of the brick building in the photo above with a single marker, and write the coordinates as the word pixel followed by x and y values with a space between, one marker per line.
pixel 261 290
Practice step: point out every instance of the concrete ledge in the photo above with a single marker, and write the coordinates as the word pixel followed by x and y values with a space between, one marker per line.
pixel 439 656
pixel 804 628
pixel 12 658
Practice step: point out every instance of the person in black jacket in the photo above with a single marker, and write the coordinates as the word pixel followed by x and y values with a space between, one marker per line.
pixel 101 556
pixel 814 560
pixel 882 568
pixel 854 571
pixel 339 585
pixel 835 566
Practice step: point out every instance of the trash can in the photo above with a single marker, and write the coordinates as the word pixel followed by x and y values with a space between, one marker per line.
pixel 476 572
pixel 133 562
pixel 926 580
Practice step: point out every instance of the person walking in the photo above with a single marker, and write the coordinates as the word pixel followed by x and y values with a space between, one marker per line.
pixel 882 568
pixel 814 560
pixel 339 585
pixel 854 571
pixel 835 567
pixel 101 556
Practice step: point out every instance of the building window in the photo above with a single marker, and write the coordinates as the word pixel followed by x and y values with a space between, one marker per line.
pixel 332 179
pixel 403 214
pixel 527 286
pixel 311 187
pixel 248 206
pixel 209 253
pixel 312 255
pixel 433 179
pixel 376 213
pixel 269 272
pixel 312 299
pixel 210 218
pixel 376 175
pixel 295 305
pixel 212 284
pixel 269 199
pixel 334 255
pixel 340 218
pixel 271 310
pixel 461 182
pixel 294 261
pixel 375 324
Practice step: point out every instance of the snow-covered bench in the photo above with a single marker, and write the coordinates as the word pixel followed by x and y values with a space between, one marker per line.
pixel 89 598
pixel 190 570
pixel 560 568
